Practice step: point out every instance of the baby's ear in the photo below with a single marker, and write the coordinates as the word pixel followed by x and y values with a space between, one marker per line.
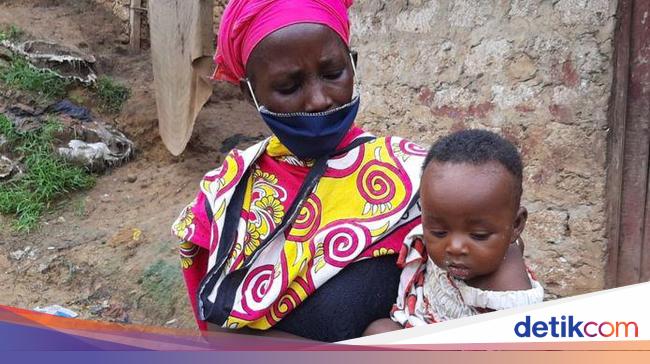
pixel 520 222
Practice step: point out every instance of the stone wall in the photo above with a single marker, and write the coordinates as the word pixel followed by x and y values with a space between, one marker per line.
pixel 120 8
pixel 537 71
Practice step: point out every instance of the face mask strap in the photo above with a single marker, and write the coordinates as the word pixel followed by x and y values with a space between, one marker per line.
pixel 250 89
pixel 354 66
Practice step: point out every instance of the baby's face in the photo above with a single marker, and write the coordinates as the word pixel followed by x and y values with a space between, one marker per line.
pixel 469 216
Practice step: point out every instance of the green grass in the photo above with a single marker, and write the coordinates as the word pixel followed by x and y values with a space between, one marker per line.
pixel 112 95
pixel 12 33
pixel 47 177
pixel 159 283
pixel 161 278
pixel 22 76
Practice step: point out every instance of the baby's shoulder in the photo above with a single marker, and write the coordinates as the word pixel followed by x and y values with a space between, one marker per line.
pixel 512 275
pixel 511 286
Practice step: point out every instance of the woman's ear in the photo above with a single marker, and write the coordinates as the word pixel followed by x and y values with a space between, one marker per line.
pixel 520 222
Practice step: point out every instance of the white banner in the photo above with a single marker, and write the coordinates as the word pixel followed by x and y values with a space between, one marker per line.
pixel 610 315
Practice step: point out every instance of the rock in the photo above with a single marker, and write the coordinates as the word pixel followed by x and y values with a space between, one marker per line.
pixel 17 255
pixel 521 68
pixel 7 167
pixel 43 268
pixel 128 238
pixel 5 55
pixel 131 178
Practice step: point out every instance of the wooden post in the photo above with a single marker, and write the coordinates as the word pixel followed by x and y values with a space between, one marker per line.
pixel 616 139
pixel 135 23
pixel 628 179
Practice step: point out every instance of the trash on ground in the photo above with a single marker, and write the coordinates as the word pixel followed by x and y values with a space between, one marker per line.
pixel 57 310
pixel 101 147
pixel 22 253
pixel 64 61
pixel 85 142
pixel 7 168
pixel 116 313
pixel 24 118
pixel 68 108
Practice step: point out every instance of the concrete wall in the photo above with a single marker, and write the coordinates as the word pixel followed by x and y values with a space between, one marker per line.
pixel 121 10
pixel 539 72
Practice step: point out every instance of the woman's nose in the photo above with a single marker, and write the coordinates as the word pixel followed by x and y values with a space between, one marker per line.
pixel 317 98
pixel 457 245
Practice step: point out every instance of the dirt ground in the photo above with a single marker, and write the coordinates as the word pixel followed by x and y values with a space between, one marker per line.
pixel 107 253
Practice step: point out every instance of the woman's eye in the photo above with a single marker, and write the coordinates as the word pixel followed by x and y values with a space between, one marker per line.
pixel 333 75
pixel 439 233
pixel 287 90
pixel 480 236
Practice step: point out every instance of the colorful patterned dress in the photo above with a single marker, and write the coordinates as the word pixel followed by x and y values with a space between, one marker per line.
pixel 361 207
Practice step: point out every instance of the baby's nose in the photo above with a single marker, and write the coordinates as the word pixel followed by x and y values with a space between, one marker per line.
pixel 457 245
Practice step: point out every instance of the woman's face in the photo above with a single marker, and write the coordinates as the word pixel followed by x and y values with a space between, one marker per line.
pixel 301 68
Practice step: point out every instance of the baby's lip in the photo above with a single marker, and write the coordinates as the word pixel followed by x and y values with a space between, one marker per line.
pixel 458 270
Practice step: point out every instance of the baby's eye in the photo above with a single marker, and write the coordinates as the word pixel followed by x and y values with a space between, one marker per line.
pixel 438 233
pixel 480 236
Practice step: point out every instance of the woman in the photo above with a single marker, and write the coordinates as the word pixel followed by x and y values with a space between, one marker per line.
pixel 299 232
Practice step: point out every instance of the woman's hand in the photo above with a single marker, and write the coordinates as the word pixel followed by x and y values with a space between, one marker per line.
pixel 381 326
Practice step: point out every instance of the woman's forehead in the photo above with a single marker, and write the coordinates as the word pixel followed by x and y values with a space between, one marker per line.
pixel 298 41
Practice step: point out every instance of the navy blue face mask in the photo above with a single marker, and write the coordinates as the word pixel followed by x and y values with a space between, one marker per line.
pixel 311 135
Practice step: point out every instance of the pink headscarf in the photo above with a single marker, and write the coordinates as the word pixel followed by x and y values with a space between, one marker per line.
pixel 246 22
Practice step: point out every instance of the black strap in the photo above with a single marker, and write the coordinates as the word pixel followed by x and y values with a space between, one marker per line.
pixel 220 310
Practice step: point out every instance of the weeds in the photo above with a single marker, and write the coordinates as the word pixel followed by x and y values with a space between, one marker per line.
pixel 12 33
pixel 46 177
pixel 80 207
pixel 161 278
pixel 20 74
pixel 112 95
pixel 158 283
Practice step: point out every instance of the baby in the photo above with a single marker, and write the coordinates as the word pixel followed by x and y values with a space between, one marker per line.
pixel 471 225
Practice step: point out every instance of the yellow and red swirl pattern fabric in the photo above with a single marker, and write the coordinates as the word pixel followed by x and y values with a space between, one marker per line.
pixel 358 210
